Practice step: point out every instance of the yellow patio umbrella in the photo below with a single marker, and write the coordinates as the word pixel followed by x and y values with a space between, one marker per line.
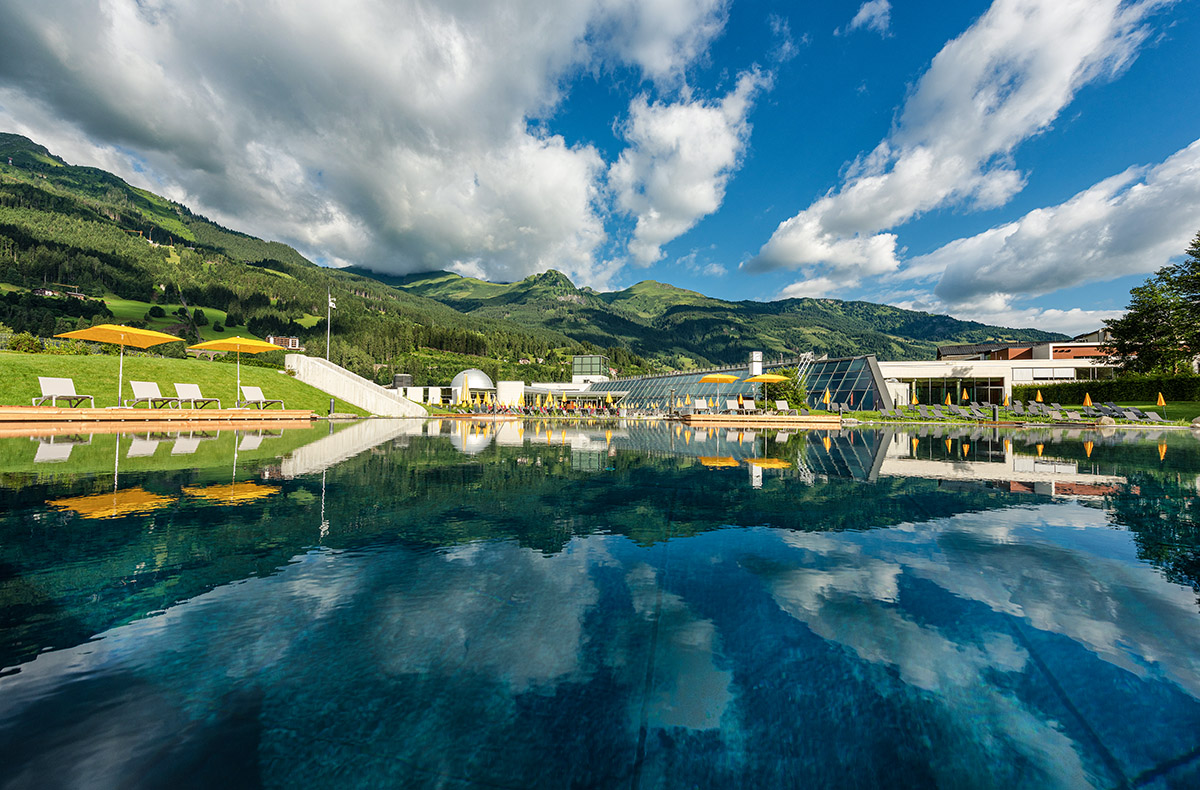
pixel 718 461
pixel 1088 447
pixel 964 394
pixel 826 398
pixel 608 399
pixel 826 442
pixel 1163 403
pixel 121 336
pixel 464 395
pixel 1087 399
pixel 765 378
pixel 1040 448
pixel 231 493
pixel 1038 397
pixel 947 398
pixel 1006 402
pixel 914 399
pixel 770 463
pixel 718 379
pixel 949 445
pixel 129 502
pixel 1162 450
pixel 238 344
pixel 915 442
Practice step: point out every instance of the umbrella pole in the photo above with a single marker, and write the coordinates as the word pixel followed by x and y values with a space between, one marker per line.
pixel 238 392
pixel 120 375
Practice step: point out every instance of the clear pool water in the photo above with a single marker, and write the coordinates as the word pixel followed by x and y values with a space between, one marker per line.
pixel 398 604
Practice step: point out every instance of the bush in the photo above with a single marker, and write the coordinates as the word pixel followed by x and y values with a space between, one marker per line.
pixel 27 343
pixel 75 348
pixel 217 327
pixel 1135 389
pixel 157 312
pixel 199 317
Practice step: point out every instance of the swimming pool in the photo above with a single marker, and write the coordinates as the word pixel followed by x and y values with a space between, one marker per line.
pixel 442 604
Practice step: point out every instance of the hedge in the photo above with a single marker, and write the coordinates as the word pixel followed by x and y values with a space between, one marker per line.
pixel 1130 389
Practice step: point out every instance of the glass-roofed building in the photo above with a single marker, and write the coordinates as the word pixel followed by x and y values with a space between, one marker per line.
pixel 854 381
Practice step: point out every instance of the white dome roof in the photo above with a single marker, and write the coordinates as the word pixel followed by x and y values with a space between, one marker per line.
pixel 470 443
pixel 475 378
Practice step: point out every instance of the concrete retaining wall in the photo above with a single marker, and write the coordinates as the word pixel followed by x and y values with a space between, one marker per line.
pixel 352 388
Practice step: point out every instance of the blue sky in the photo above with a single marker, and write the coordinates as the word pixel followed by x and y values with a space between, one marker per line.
pixel 1023 162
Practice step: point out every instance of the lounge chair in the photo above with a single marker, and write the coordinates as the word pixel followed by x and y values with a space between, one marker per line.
pixel 731 406
pixel 252 396
pixel 142 446
pixel 147 392
pixel 1153 416
pixel 781 407
pixel 190 393
pixel 56 389
pixel 54 449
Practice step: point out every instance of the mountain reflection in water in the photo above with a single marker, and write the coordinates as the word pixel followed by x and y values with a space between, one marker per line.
pixel 529 604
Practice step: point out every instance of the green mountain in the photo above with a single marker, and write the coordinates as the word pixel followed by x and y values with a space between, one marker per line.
pixel 683 328
pixel 140 258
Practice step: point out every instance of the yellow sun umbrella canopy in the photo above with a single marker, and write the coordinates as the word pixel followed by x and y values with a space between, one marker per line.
pixel 247 345
pixel 128 502
pixel 766 378
pixel 718 461
pixel 231 493
pixel 718 378
pixel 769 463
pixel 121 336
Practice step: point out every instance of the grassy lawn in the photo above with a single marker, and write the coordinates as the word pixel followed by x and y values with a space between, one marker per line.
pixel 212 458
pixel 1183 410
pixel 97 375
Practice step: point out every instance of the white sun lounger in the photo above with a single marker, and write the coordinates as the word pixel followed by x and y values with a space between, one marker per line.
pixel 190 393
pixel 147 392
pixel 56 389
pixel 253 396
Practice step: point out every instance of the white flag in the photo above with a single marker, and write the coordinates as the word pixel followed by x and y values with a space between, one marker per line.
pixel 333 302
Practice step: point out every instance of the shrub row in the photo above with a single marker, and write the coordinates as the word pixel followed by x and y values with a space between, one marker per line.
pixel 1136 389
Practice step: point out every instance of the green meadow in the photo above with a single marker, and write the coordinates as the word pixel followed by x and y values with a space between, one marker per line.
pixel 96 375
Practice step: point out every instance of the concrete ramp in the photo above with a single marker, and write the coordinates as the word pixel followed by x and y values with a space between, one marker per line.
pixel 346 443
pixel 352 388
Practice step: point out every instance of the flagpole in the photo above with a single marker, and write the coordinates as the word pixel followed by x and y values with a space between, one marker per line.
pixel 328 319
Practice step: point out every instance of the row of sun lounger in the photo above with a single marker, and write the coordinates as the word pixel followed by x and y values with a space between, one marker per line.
pixel 1055 412
pixel 147 392
pixel 53 449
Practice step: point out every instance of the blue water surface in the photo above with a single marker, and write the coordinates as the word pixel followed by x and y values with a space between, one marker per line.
pixel 446 605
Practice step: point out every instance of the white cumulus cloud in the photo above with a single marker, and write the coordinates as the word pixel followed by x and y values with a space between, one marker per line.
pixel 1131 223
pixel 1002 81
pixel 680 157
pixel 401 135
pixel 873 15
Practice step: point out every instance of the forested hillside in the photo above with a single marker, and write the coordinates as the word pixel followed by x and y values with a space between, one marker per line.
pixel 84 231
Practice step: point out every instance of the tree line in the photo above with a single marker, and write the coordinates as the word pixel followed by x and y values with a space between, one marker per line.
pixel 1160 332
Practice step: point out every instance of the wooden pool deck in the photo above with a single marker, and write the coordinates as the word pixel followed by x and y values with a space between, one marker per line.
pixel 75 420
pixel 780 422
